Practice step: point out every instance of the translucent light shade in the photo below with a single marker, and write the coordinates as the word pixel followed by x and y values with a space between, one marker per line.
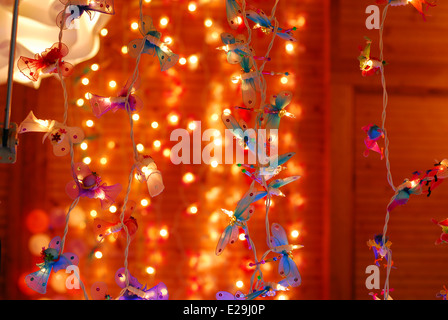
pixel 147 172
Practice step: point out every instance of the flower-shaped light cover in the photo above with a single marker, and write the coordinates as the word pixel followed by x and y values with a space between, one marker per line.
pixel 238 218
pixel 443 238
pixel 136 291
pixel 224 295
pixel 404 190
pixel 152 45
pixel 58 134
pixel 263 22
pixel 46 63
pixel 233 11
pixel 374 133
pixel 235 47
pixel 367 64
pixel 65 18
pixel 420 5
pixel 88 184
pixel 103 228
pixel 287 268
pixel 99 291
pixel 147 173
pixel 53 260
pixel 379 248
pixel 100 105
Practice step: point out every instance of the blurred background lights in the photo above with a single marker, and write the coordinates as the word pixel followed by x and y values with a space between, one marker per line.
pixel 208 23
pixel 84 146
pixel 80 102
pixel 89 123
pixel 112 209
pixel 85 81
pixel 154 124
pixel 98 254
pixel 112 84
pixel 87 160
pixel 192 7
pixel 163 233
pixel 104 32
pixel 140 147
pixel 182 61
pixel 239 284
pixel 95 67
pixel 150 270
pixel 164 21
pixel 134 25
pixel 188 177
pixel 144 202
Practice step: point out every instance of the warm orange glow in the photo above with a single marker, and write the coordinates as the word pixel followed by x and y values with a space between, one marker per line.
pixel 188 177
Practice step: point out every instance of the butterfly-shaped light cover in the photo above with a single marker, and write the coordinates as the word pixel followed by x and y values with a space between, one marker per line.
pixel 103 228
pixel 379 248
pixel 88 184
pixel 274 167
pixel 136 291
pixel 443 293
pixel 235 47
pixel 52 260
pixel 99 291
pixel 274 187
pixel 404 190
pixel 224 295
pixel 367 64
pixel 66 17
pixel 420 5
pixel 250 82
pixel 152 45
pixel 435 176
pixel 240 130
pixel 148 173
pixel 276 110
pixel 374 133
pixel 58 134
pixel 287 268
pixel 233 11
pixel 100 105
pixel 238 218
pixel 444 235
pixel 265 24
pixel 46 63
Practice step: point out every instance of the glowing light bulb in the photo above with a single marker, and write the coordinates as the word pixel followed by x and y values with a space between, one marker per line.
pixel 80 102
pixel 174 119
pixel 112 84
pixel 192 7
pixel 193 59
pixel 111 144
pixel 164 21
pixel 284 80
pixel 166 152
pixel 168 40
pixel 182 61
pixel 214 163
pixel 227 111
pixel 193 209
pixel 192 125
pixel 147 1
pixel 188 177
pixel 95 67
pixel 294 233
pixel 242 237
pixel 155 125
pixel 289 47
pixel 87 95
pixel 89 123
pixel 104 32
pixel 163 233
pixel 124 49
pixel 208 23
pixel 140 147
pixel 87 160
pixel 103 160
pixel 150 270
pixel 93 213
pixel 134 25
pixel 135 117
pixel 98 254
pixel 215 117
pixel 239 284
pixel 239 20
pixel 113 209
pixel 84 146
pixel 157 144
pixel 85 81
pixel 144 202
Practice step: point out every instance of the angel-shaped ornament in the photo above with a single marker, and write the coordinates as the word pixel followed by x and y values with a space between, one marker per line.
pixel 420 5
pixel 53 259
pixel 46 63
pixel 287 268
pixel 115 227
pixel 100 105
pixel 367 64
pixel 59 135
pixel 235 47
pixel 148 173
pixel 135 290
pixel 238 218
pixel 99 291
pixel 75 8
pixel 88 184
pixel 264 23
pixel 374 133
pixel 152 45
